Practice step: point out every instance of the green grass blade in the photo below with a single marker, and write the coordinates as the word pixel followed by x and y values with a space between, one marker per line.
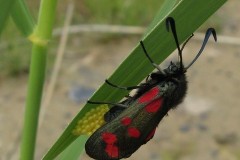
pixel 74 150
pixel 5 11
pixel 188 15
pixel 22 17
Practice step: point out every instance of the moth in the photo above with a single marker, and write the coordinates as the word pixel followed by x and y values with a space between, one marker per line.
pixel 132 122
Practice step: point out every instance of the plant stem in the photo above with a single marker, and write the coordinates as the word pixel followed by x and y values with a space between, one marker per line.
pixel 36 78
pixel 39 38
pixel 45 19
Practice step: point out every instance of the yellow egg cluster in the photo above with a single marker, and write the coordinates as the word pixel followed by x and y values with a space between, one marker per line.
pixel 91 121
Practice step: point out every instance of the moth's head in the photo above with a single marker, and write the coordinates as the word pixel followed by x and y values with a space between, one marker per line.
pixel 174 69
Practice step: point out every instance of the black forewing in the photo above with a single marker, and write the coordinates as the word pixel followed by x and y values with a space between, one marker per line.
pixel 145 122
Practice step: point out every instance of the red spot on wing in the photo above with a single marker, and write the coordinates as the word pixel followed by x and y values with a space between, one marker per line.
pixel 112 151
pixel 149 95
pixel 133 132
pixel 126 121
pixel 154 106
pixel 109 138
pixel 150 135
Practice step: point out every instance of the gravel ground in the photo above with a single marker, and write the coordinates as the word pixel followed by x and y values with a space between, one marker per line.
pixel 204 126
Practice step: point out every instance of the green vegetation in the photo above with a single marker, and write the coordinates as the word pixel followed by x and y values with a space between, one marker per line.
pixel 121 12
pixel 95 12
pixel 86 12
pixel 133 70
pixel 136 67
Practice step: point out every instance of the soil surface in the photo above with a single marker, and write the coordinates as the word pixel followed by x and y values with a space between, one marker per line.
pixel 204 127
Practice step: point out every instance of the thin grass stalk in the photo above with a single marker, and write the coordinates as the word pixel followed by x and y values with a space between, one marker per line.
pixel 39 38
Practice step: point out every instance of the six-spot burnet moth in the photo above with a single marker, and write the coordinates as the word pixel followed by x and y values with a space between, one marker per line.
pixel 132 122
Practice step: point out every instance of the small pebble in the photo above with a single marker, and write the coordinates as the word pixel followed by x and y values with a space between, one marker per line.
pixel 226 139
pixel 204 116
pixel 214 153
pixel 154 156
pixel 185 128
pixel 202 127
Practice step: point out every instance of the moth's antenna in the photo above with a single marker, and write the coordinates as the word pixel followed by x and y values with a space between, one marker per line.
pixel 170 23
pixel 207 35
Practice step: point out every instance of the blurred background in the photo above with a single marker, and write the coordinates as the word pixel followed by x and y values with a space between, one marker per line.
pixel 205 126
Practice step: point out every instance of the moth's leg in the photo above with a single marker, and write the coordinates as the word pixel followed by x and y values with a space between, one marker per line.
pixel 121 87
